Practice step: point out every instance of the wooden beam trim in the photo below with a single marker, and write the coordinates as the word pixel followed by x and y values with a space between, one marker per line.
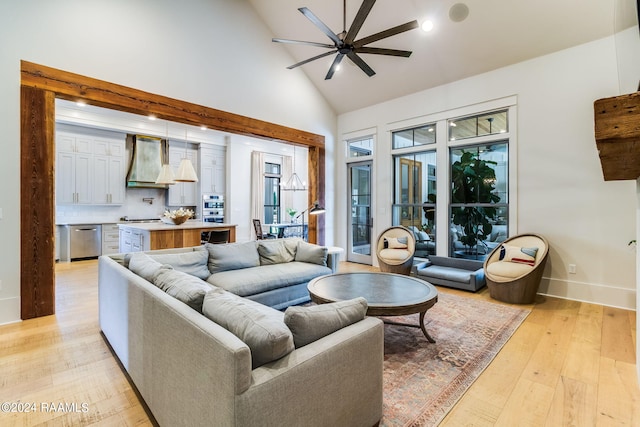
pixel 76 87
pixel 37 211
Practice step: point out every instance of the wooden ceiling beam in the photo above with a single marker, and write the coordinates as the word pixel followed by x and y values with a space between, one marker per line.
pixel 75 87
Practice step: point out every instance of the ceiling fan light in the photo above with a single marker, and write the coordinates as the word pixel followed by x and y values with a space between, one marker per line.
pixel 186 172
pixel 427 26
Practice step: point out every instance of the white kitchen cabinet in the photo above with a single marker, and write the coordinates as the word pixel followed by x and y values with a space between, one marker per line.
pixel 133 240
pixel 109 172
pixel 89 170
pixel 212 169
pixel 110 239
pixel 183 193
pixel 74 183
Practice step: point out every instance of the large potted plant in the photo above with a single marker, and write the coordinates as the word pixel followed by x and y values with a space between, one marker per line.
pixel 473 182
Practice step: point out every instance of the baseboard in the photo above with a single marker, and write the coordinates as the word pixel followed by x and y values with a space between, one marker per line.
pixel 9 310
pixel 589 292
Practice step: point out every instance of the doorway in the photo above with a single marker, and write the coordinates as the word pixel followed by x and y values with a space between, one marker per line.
pixel 359 245
pixel 40 86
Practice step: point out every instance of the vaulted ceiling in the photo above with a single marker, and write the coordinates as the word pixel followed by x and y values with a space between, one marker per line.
pixel 496 33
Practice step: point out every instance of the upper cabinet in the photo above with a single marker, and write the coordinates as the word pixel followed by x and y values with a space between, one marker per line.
pixel 89 170
pixel 183 193
pixel 212 169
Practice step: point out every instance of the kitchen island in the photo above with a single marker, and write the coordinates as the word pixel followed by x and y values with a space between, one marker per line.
pixel 136 237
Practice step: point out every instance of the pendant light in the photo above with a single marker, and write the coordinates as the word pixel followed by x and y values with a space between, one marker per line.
pixel 294 183
pixel 166 173
pixel 186 172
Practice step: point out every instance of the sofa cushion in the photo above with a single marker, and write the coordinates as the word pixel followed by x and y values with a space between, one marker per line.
pixel 260 327
pixel 277 251
pixel 394 254
pixel 256 280
pixel 182 286
pixel 446 273
pixel 144 266
pixel 314 254
pixel 311 323
pixel 504 270
pixel 517 254
pixel 192 262
pixel 232 256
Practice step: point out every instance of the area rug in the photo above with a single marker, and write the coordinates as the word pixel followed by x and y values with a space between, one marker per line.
pixel 423 381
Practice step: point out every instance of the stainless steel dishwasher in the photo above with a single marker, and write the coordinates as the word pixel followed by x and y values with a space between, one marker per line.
pixel 85 241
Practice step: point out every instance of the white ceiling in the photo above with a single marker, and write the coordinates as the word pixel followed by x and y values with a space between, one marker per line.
pixel 496 33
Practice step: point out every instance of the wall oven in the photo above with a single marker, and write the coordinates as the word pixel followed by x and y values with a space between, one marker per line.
pixel 213 208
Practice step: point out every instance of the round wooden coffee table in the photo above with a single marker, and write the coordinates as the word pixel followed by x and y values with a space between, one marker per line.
pixel 387 294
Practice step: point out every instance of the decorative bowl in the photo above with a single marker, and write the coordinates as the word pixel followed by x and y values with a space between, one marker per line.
pixel 175 221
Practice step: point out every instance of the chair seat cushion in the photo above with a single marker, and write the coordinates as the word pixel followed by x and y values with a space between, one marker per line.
pixel 504 270
pixel 394 254
pixel 446 273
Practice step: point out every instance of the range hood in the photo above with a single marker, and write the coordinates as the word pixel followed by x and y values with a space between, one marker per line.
pixel 146 161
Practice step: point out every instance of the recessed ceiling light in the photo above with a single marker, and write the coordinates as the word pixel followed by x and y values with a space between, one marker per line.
pixel 453 124
pixel 81 104
pixel 427 26
pixel 152 117
pixel 203 127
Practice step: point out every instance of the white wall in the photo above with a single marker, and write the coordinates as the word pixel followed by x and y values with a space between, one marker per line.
pixel 211 52
pixel 561 191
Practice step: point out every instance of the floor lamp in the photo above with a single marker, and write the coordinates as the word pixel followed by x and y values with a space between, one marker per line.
pixel 314 209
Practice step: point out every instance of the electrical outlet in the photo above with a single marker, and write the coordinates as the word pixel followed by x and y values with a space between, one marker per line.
pixel 572 269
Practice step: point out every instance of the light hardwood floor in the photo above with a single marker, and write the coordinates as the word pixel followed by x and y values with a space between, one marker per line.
pixel 569 364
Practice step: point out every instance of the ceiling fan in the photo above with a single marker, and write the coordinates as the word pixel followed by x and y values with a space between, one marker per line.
pixel 345 44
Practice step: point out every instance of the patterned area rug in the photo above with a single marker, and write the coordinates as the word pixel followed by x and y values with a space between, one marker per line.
pixel 423 381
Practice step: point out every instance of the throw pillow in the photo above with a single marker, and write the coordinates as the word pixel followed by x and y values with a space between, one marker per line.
pixel 396 242
pixel 276 251
pixel 193 262
pixel 182 286
pixel 314 254
pixel 517 254
pixel 309 324
pixel 260 327
pixel 144 266
pixel 232 256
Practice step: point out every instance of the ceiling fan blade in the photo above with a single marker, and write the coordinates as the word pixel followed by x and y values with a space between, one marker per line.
pixel 334 66
pixel 321 25
pixel 381 51
pixel 361 16
pixel 322 55
pixel 360 63
pixel 386 33
pixel 330 46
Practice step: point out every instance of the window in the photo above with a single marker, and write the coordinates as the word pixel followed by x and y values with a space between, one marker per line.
pixel 474 195
pixel 415 189
pixel 479 125
pixel 271 193
pixel 413 137
pixel 360 147
pixel 479 199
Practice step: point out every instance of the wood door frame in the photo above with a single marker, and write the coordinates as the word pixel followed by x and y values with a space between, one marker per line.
pixel 40 86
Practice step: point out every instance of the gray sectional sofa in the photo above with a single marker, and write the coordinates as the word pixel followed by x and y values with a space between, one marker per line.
pixel 200 354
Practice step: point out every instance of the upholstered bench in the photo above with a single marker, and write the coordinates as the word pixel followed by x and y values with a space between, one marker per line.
pixel 456 273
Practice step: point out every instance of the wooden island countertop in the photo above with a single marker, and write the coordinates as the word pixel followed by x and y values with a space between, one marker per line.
pixel 145 236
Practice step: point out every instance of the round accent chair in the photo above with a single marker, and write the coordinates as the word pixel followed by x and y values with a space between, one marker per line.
pixel 395 249
pixel 513 270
